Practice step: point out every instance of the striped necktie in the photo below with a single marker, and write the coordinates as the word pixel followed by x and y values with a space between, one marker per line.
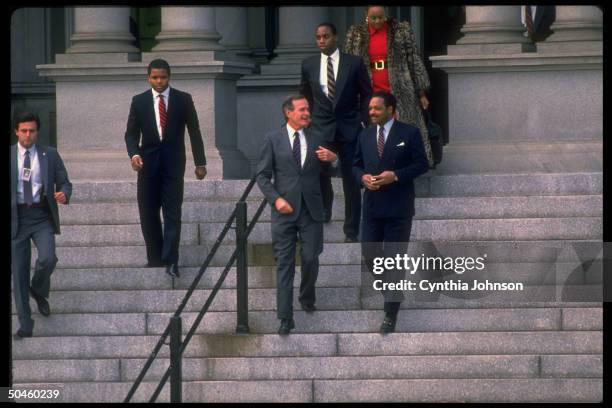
pixel 331 80
pixel 163 116
pixel 381 141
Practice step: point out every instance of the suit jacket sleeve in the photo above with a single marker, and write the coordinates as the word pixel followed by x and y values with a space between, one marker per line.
pixel 305 86
pixel 132 132
pixel 358 165
pixel 265 172
pixel 62 183
pixel 418 160
pixel 365 92
pixel 193 126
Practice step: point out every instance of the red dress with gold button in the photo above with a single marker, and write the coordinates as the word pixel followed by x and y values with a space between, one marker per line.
pixel 378 52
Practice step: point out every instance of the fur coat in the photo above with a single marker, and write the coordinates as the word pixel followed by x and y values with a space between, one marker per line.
pixel 407 74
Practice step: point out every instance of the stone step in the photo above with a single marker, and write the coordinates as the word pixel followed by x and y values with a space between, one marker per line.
pixel 522 229
pixel 304 368
pixel 329 276
pixel 338 253
pixel 317 345
pixel 351 321
pixel 159 301
pixel 471 185
pixel 151 301
pixel 426 390
pixel 425 208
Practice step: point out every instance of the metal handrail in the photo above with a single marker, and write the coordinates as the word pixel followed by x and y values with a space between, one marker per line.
pixel 194 284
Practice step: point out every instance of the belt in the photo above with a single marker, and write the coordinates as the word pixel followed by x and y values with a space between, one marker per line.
pixel 379 65
pixel 42 204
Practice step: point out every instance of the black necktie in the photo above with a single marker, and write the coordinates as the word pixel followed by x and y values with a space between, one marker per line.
pixel 27 185
pixel 297 151
pixel 331 81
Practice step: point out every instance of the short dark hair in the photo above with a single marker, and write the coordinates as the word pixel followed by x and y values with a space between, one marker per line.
pixel 330 25
pixel 158 64
pixel 387 97
pixel 288 103
pixel 26 117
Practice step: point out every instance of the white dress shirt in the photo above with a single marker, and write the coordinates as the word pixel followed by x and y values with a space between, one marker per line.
pixel 303 146
pixel 387 127
pixel 323 72
pixel 156 94
pixel 35 176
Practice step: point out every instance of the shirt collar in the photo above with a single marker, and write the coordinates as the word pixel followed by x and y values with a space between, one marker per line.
pixel 22 150
pixel 387 126
pixel 166 93
pixel 335 56
pixel 292 130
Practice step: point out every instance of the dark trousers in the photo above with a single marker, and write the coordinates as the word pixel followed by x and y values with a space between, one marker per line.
pixel 386 237
pixel 34 224
pixel 352 190
pixel 284 238
pixel 153 194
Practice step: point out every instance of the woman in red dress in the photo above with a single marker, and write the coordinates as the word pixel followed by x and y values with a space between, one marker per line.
pixel 390 54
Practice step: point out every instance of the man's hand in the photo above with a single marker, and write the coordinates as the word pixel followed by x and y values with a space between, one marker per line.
pixel 326 155
pixel 200 172
pixel 368 182
pixel 60 197
pixel 136 163
pixel 384 178
pixel 283 206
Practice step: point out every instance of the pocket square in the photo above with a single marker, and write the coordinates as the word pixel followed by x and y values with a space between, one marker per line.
pixel 400 145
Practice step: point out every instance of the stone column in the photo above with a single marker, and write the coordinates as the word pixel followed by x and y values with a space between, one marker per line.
pixel 576 29
pixel 201 66
pixel 296 32
pixel 188 29
pixel 102 30
pixel 232 23
pixel 492 30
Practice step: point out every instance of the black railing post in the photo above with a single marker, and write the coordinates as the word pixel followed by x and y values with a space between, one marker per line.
pixel 176 378
pixel 242 287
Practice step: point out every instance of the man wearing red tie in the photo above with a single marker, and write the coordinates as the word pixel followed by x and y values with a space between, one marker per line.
pixel 389 156
pixel 157 120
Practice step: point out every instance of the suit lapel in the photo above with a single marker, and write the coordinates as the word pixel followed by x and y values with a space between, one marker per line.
pixel 310 148
pixel 14 171
pixel 44 167
pixel 343 70
pixel 171 106
pixel 390 144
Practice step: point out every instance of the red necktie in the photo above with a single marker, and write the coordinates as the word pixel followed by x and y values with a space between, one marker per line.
pixel 162 115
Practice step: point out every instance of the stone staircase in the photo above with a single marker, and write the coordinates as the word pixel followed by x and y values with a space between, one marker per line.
pixel 108 310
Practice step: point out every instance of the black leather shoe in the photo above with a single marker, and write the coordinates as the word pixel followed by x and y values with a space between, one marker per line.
pixel 286 326
pixel 388 325
pixel 22 334
pixel 41 302
pixel 308 308
pixel 350 238
pixel 173 270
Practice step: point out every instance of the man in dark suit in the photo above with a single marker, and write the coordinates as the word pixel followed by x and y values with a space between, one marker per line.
pixel 390 155
pixel 288 175
pixel 38 182
pixel 538 20
pixel 338 89
pixel 157 120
